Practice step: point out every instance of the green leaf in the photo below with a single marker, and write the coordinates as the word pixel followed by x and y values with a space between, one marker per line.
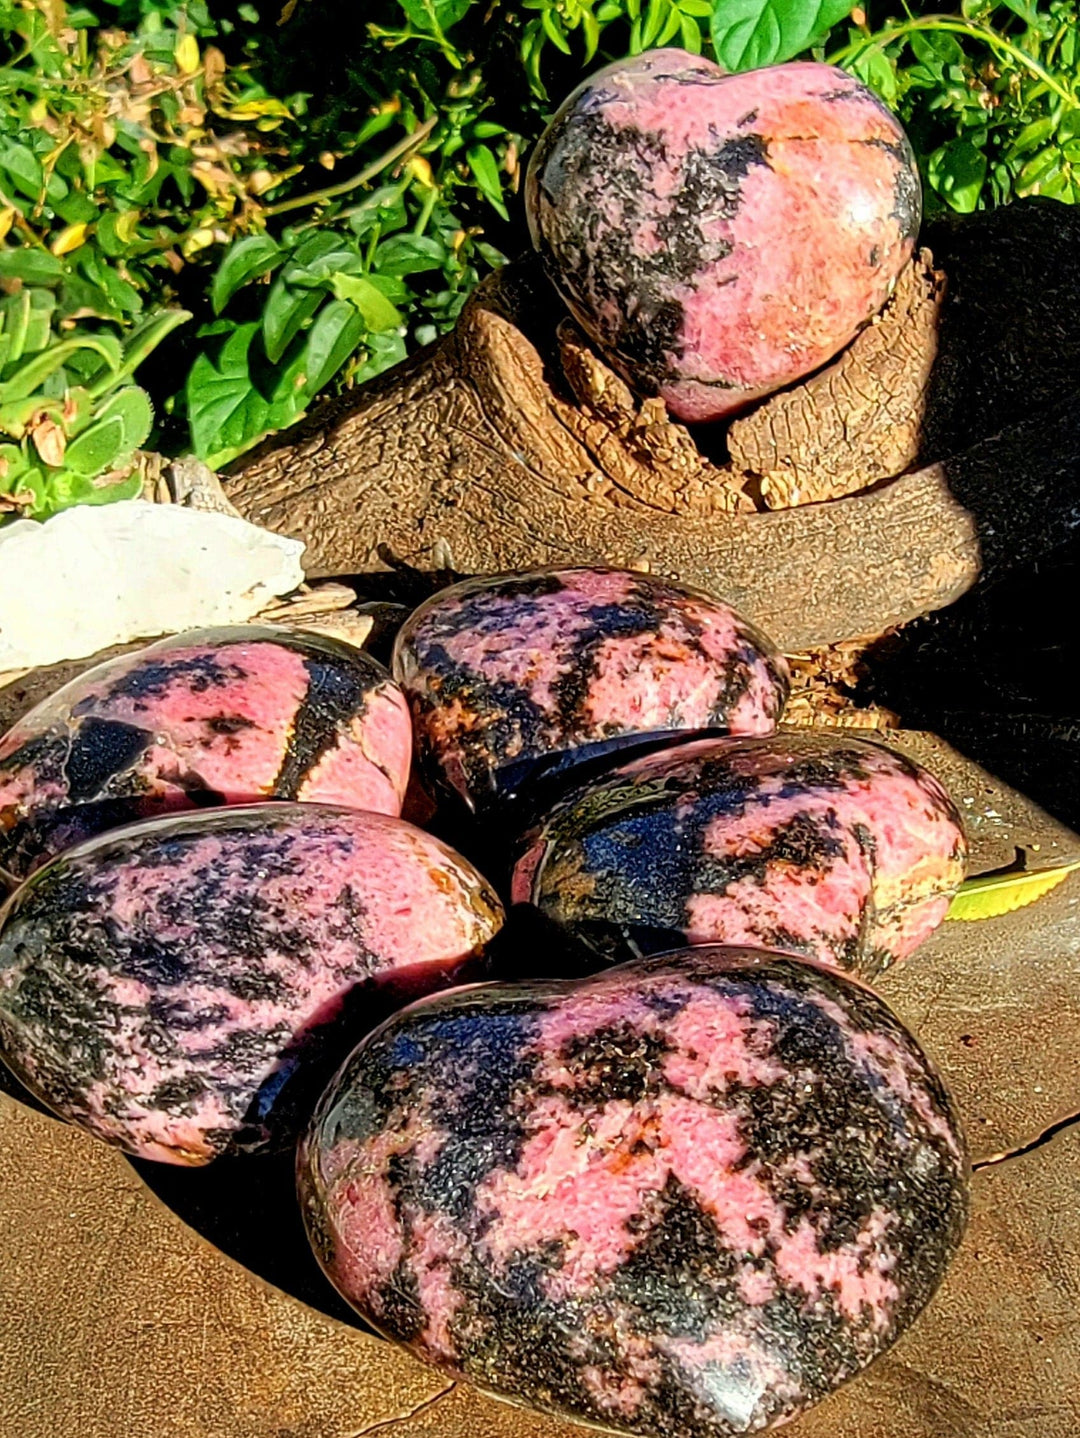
pixel 377 311
pixel 287 311
pixel 590 27
pixel 553 29
pixel 957 171
pixel 323 242
pixel 875 69
pixel 689 34
pixel 990 895
pixel 383 206
pixel 13 463
pixel 32 481
pixel 23 166
pixel 65 489
pixel 383 351
pixel 392 286
pixel 33 267
pixel 225 410
pixel 77 209
pixel 1031 137
pixel 243 262
pixel 485 170
pixel 431 16
pixel 16 325
pixel 32 376
pixel 1039 169
pixel 132 406
pixel 318 269
pixel 39 321
pixel 747 34
pixel 337 331
pixel 936 49
pixel 671 28
pixel 655 16
pixel 409 255
pixel 1069 129
pixel 97 448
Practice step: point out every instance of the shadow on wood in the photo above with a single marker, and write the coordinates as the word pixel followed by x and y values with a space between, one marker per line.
pixel 501 448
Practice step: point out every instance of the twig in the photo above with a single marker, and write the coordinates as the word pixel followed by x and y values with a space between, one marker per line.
pixel 316 197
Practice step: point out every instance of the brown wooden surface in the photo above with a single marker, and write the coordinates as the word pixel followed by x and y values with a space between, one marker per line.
pixel 120 1321
pixel 495 449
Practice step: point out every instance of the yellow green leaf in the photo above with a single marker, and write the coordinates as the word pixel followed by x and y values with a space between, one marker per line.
pixel 187 55
pixel 267 108
pixel 990 895
pixel 69 238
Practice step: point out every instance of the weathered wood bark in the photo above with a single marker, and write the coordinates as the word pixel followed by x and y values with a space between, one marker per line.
pixel 505 446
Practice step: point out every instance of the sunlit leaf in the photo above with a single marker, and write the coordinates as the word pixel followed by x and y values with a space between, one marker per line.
pixel 749 33
pixel 287 311
pixel 432 15
pixel 988 896
pixel 957 171
pixel 376 310
pixel 336 332
pixel 245 261
pixel 485 169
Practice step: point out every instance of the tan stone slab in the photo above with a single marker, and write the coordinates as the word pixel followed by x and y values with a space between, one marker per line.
pixel 997 1002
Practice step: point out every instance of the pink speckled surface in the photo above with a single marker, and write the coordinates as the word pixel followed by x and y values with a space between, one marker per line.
pixel 820 845
pixel 719 236
pixel 164 985
pixel 507 673
pixel 685 1198
pixel 225 716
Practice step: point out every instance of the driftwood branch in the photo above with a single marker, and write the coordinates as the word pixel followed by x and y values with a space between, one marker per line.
pixel 508 445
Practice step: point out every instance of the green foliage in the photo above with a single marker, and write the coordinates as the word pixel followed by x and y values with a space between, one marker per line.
pixel 749 33
pixel 68 409
pixel 125 153
pixel 322 304
pixel 626 26
pixel 991 97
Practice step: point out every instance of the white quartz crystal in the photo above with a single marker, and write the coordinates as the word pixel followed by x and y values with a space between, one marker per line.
pixel 93 577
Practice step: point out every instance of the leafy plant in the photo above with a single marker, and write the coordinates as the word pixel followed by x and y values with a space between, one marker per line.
pixel 991 97
pixel 67 402
pixel 125 153
pixel 334 302
pixel 643 24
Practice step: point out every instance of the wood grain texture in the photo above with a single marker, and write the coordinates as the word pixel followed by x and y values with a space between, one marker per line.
pixel 462 452
pixel 504 447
